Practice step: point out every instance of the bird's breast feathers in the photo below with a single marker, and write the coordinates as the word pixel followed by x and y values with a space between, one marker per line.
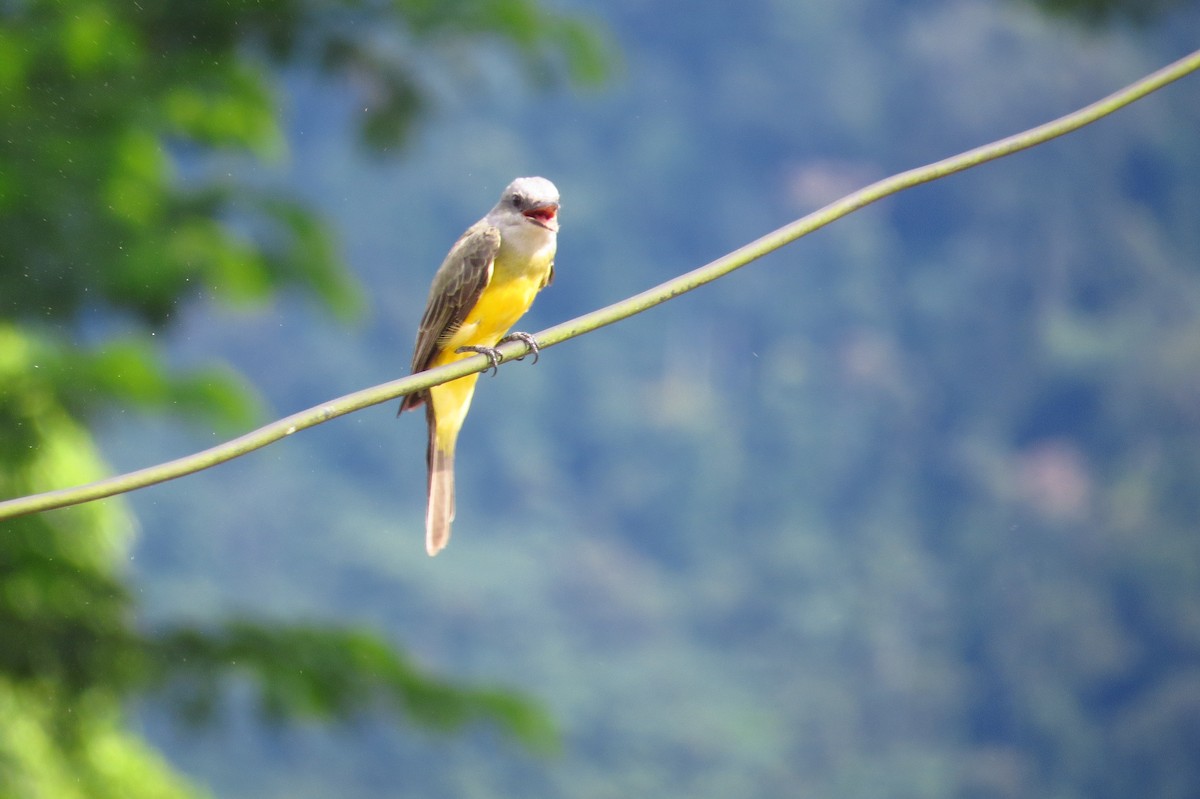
pixel 521 268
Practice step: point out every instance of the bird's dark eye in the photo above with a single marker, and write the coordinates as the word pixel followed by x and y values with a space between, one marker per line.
pixel 517 201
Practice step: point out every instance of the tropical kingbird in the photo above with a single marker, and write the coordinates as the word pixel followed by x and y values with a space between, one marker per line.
pixel 487 282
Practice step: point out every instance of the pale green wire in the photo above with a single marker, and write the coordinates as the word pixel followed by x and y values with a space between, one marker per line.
pixel 605 316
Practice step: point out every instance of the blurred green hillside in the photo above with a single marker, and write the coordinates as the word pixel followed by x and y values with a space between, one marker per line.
pixel 908 509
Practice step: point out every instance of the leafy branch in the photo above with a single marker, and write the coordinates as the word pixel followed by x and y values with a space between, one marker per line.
pixel 385 392
pixel 312 672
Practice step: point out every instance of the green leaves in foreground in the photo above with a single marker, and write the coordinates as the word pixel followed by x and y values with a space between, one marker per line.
pixel 307 672
pixel 136 141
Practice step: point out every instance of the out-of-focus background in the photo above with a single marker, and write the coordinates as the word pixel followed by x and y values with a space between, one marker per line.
pixel 910 508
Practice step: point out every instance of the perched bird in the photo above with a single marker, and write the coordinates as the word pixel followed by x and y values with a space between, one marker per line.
pixel 486 283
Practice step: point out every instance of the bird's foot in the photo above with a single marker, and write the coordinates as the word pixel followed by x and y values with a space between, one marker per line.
pixel 530 342
pixel 492 354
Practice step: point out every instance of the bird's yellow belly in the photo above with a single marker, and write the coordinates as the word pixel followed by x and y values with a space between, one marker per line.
pixel 502 303
pixel 498 309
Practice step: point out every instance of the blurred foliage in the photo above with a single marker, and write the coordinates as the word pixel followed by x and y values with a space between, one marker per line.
pixel 907 509
pixel 317 673
pixel 127 133
pixel 55 747
pixel 1100 12
pixel 106 101
pixel 69 649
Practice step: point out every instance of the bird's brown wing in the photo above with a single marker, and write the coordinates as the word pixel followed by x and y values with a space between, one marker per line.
pixel 456 288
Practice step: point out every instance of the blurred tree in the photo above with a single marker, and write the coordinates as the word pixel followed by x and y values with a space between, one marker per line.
pixel 1097 12
pixel 106 105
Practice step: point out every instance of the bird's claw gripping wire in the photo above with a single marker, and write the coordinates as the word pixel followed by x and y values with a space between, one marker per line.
pixel 493 354
pixel 530 342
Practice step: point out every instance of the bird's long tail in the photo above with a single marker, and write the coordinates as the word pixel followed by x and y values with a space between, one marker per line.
pixel 440 510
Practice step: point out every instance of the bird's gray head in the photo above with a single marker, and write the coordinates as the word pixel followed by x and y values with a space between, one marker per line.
pixel 535 199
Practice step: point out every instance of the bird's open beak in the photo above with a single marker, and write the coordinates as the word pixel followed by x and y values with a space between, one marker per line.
pixel 544 215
